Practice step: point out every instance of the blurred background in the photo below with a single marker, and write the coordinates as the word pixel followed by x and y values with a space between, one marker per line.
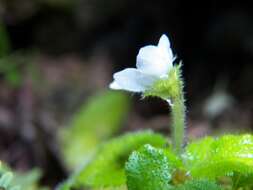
pixel 57 58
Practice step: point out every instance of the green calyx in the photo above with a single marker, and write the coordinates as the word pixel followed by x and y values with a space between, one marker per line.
pixel 169 87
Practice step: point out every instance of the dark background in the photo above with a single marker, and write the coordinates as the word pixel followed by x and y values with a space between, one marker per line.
pixel 77 45
pixel 213 39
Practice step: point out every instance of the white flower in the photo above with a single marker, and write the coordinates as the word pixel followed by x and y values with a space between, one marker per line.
pixel 153 63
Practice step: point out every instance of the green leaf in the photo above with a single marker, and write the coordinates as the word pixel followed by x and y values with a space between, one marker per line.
pixel 95 122
pixel 112 188
pixel 228 155
pixel 106 169
pixel 240 180
pixel 148 169
pixel 197 185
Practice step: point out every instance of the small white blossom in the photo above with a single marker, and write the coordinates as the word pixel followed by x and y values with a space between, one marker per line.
pixel 153 63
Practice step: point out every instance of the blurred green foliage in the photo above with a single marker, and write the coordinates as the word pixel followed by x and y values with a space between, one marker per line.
pixel 99 118
pixel 106 167
pixel 17 180
pixel 5 182
pixel 11 64
pixel 15 67
pixel 10 70
pixel 8 66
pixel 29 180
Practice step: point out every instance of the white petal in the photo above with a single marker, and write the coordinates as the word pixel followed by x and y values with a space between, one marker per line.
pixel 114 85
pixel 164 46
pixel 164 42
pixel 132 80
pixel 154 61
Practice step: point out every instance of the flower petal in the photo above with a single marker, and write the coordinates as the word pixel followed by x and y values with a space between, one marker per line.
pixel 154 61
pixel 132 80
pixel 114 85
pixel 164 42
pixel 164 46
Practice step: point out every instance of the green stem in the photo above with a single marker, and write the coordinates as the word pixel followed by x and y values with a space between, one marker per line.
pixel 178 122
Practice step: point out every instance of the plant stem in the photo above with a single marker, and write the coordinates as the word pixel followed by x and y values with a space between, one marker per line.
pixel 178 121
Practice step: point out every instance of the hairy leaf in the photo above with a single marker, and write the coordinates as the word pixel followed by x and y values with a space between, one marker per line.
pixel 228 155
pixel 197 185
pixel 148 169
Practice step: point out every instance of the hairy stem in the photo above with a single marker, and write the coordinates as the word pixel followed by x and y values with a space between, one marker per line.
pixel 178 121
